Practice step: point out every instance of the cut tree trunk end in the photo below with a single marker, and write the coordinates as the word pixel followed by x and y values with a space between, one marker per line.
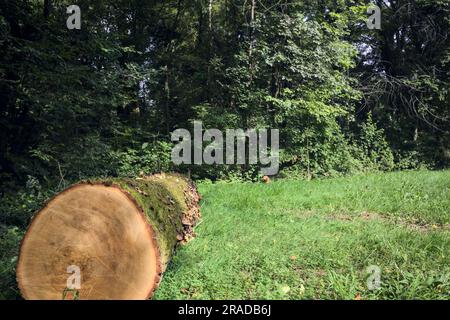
pixel 119 234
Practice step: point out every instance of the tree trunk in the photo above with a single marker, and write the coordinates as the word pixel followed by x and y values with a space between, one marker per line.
pixel 120 234
pixel 210 51
pixel 167 102
pixel 252 30
pixel 210 7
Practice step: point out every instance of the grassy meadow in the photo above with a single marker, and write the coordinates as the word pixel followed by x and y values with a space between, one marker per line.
pixel 317 239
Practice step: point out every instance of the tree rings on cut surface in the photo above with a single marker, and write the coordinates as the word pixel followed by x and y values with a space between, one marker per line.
pixel 107 240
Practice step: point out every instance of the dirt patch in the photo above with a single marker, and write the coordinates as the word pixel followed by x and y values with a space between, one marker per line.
pixel 321 273
pixel 421 226
pixel 340 217
pixel 367 216
pixel 371 216
pixel 408 223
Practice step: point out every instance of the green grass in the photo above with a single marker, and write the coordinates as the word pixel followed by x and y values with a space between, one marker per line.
pixel 315 240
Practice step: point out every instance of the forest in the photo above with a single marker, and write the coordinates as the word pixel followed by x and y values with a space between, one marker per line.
pixel 103 100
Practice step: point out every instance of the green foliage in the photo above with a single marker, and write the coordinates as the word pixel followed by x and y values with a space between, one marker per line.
pixel 409 161
pixel 406 67
pixel 9 244
pixel 145 160
pixel 16 209
pixel 81 103
pixel 376 153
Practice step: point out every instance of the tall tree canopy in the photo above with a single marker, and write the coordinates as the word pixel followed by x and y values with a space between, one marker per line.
pixel 103 100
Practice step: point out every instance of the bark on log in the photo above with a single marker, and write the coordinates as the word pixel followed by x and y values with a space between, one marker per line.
pixel 120 233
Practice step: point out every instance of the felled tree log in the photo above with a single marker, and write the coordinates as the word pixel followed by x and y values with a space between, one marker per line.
pixel 121 235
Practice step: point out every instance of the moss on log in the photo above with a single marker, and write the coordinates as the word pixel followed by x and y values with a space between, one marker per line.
pixel 119 233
